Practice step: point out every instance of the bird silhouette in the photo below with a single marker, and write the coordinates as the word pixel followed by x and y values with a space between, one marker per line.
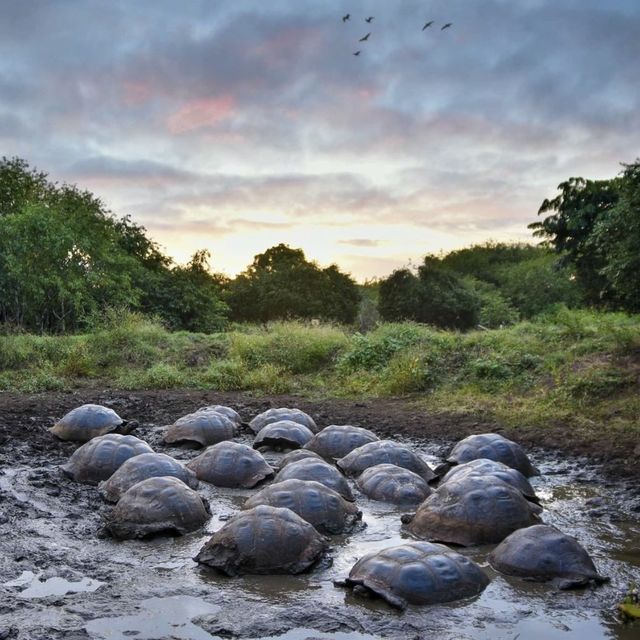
pixel 427 24
pixel 365 38
pixel 446 26
pixel 345 18
pixel 357 53
pixel 369 19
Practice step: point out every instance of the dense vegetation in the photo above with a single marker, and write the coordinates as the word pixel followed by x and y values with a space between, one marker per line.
pixel 575 367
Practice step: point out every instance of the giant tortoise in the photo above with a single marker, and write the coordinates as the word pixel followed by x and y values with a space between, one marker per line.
pixel 231 464
pixel 202 427
pixel 542 552
pixel 263 540
pixel 416 573
pixel 389 483
pixel 494 447
pixel 282 413
pixel 336 441
pixel 86 422
pixel 384 452
pixel 99 458
pixel 472 510
pixel 157 505
pixel 138 468
pixel 318 470
pixel 320 506
pixel 283 434
pixel 485 467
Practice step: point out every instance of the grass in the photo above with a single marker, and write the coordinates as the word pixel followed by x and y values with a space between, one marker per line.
pixel 578 367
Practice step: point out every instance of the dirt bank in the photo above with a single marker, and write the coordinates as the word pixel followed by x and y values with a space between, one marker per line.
pixel 616 451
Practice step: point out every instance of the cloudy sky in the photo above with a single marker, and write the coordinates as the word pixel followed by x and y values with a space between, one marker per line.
pixel 234 125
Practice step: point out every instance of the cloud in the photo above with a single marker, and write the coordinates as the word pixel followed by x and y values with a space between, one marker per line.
pixel 362 242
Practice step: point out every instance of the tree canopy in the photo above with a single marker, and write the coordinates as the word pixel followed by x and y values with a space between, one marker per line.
pixel 595 225
pixel 280 283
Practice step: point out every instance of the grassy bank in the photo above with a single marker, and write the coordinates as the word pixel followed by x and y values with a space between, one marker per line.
pixel 578 367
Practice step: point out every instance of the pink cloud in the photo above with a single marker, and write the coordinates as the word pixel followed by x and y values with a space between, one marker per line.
pixel 135 93
pixel 200 113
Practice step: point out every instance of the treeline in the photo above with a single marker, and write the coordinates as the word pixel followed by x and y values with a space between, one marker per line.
pixel 65 259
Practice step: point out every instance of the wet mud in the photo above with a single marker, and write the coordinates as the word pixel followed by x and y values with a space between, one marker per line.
pixel 61 576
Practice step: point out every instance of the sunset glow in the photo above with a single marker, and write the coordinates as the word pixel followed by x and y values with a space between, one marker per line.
pixel 234 127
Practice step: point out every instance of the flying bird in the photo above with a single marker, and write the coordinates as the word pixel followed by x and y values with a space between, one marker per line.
pixel 345 18
pixel 365 38
pixel 446 26
pixel 427 24
pixel 369 19
pixel 357 53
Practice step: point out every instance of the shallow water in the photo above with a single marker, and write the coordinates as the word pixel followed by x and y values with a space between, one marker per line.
pixel 153 589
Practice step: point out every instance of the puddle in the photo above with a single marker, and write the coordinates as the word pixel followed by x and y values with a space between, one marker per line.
pixel 54 586
pixel 154 590
pixel 160 618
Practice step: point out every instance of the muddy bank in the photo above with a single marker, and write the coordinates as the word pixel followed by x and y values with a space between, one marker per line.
pixel 62 577
pixel 618 453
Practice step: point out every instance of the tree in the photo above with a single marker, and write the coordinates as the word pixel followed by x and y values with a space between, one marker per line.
pixel 280 283
pixel 617 238
pixel 436 296
pixel 580 205
pixel 20 185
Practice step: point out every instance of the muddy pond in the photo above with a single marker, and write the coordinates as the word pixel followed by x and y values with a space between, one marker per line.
pixel 61 576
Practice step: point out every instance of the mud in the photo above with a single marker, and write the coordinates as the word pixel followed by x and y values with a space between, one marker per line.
pixel 62 577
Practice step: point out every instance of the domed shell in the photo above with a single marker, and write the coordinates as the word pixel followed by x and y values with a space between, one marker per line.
pixel 473 510
pixel 157 505
pixel 86 422
pixel 99 458
pixel 296 455
pixel 263 540
pixel 230 464
pixel 319 471
pixel 384 452
pixel 485 467
pixel 494 447
pixel 284 434
pixel 418 573
pixel 542 552
pixel 203 427
pixel 282 413
pixel 138 468
pixel 227 412
pixel 389 483
pixel 336 441
pixel 320 506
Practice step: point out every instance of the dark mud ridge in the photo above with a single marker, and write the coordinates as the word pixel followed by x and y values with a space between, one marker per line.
pixel 62 577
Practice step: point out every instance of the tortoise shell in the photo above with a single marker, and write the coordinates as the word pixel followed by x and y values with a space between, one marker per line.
pixel 336 441
pixel 230 464
pixel 227 412
pixel 320 506
pixel 297 454
pixel 494 447
pixel 263 540
pixel 157 505
pixel 86 422
pixel 203 427
pixel 389 483
pixel 484 467
pixel 283 434
pixel 384 452
pixel 319 471
pixel 99 458
pixel 138 468
pixel 283 413
pixel 542 552
pixel 418 573
pixel 473 510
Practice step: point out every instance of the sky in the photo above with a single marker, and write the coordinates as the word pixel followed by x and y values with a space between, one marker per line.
pixel 234 125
